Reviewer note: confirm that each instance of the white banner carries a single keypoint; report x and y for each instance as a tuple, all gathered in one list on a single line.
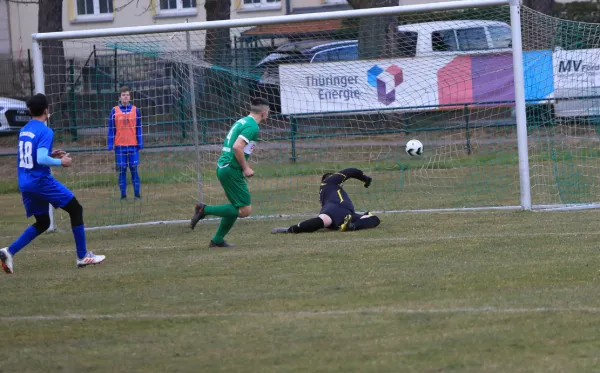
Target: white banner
[(360, 85), (577, 74), (429, 83)]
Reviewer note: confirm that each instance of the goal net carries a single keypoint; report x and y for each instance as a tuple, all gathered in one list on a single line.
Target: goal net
[(344, 93)]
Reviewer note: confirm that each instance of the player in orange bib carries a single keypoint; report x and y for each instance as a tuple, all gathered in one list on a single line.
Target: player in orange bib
[(125, 137)]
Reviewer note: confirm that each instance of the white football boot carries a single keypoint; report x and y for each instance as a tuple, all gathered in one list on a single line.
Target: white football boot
[(90, 258), (7, 260)]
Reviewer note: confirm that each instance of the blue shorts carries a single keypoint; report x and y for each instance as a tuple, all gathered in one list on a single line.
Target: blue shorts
[(127, 156), (48, 190), (337, 213)]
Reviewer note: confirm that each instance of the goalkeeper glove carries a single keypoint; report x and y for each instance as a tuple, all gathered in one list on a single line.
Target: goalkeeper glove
[(367, 181)]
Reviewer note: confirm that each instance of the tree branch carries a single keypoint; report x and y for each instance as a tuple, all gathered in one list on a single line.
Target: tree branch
[(120, 8), (24, 1)]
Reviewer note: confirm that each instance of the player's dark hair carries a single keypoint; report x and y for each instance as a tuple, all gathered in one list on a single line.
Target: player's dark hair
[(37, 104), (325, 176), (124, 89), (258, 105)]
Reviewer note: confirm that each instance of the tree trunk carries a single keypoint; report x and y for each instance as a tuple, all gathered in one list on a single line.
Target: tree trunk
[(218, 41), (216, 101), (377, 35), (55, 69)]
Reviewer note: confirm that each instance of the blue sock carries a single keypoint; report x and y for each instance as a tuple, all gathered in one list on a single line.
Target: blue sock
[(123, 180), (79, 234), (135, 180), (24, 240)]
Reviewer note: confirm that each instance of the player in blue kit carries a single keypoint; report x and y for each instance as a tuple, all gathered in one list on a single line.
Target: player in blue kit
[(39, 188), (337, 210)]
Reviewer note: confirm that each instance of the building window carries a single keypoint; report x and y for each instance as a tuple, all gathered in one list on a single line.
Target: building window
[(177, 7), (273, 4), (94, 7), (94, 10)]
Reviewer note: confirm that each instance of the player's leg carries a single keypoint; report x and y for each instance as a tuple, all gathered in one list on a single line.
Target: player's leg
[(42, 223), (85, 257), (307, 226), (37, 208), (75, 211), (134, 161), (61, 197), (366, 221), (230, 182), (225, 226), (121, 162), (237, 193)]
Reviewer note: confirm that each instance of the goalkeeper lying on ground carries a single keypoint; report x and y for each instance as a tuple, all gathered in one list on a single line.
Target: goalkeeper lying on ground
[(337, 210)]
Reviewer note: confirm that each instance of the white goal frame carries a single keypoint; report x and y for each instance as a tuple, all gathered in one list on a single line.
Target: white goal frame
[(517, 53)]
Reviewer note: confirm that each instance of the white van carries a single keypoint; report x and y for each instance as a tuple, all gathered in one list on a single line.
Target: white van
[(454, 38)]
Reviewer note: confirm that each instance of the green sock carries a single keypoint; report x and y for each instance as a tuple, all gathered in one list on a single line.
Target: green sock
[(224, 228), (224, 211)]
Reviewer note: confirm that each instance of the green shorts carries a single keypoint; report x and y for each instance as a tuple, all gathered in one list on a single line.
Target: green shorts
[(234, 185)]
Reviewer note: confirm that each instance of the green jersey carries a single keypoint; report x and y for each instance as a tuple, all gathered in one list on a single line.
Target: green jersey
[(247, 129)]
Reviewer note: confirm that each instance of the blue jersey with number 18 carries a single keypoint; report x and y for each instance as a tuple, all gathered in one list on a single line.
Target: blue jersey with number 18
[(35, 135)]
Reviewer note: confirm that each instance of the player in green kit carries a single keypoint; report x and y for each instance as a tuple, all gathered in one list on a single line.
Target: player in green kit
[(232, 171)]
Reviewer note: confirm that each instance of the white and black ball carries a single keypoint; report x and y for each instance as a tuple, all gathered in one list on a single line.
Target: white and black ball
[(414, 147)]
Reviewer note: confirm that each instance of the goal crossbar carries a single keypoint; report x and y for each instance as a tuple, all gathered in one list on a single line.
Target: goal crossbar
[(260, 21)]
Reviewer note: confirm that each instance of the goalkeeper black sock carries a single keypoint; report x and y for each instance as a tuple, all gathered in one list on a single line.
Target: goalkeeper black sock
[(366, 223), (307, 226)]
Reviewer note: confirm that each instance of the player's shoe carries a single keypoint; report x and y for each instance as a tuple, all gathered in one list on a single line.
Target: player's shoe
[(213, 244), (279, 230), (90, 258), (7, 260), (123, 198), (347, 225), (138, 197), (198, 214)]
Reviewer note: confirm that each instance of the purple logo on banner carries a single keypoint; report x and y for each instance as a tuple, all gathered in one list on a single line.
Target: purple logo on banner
[(386, 81)]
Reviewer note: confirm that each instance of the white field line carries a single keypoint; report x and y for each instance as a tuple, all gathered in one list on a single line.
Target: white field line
[(158, 316), (536, 208)]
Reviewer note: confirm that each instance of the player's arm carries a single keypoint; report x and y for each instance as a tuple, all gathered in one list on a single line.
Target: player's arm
[(111, 129), (248, 134), (349, 173), (238, 151), (138, 128), (43, 155), (45, 159)]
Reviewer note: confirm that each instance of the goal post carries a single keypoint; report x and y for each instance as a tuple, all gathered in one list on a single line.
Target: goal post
[(345, 92), (519, 83)]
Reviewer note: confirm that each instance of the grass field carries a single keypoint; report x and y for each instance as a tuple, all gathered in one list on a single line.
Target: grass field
[(436, 292)]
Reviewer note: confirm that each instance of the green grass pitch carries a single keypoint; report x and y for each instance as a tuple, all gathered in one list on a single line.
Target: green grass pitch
[(426, 292)]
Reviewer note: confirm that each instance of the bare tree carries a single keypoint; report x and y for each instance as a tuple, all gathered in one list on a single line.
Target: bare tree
[(217, 84), (377, 35), (218, 41), (55, 69)]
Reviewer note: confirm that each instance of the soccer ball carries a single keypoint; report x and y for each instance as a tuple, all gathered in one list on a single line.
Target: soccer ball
[(414, 147)]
